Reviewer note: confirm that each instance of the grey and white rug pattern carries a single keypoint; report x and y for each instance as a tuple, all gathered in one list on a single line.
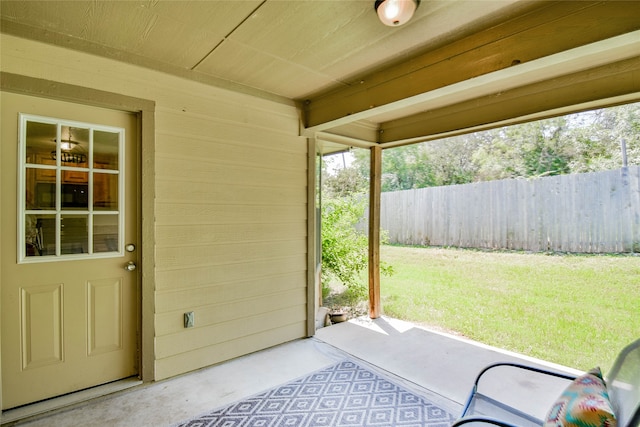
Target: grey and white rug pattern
[(343, 395)]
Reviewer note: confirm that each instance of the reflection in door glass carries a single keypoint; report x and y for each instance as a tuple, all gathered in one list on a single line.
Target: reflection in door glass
[(105, 191), (105, 150), (74, 147), (40, 235), (75, 196), (74, 234), (41, 144), (39, 195), (105, 233)]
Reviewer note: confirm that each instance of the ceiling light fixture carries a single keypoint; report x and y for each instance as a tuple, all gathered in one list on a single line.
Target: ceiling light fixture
[(395, 12), (68, 152)]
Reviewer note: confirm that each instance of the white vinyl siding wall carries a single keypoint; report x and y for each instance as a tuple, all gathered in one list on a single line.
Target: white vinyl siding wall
[(230, 207)]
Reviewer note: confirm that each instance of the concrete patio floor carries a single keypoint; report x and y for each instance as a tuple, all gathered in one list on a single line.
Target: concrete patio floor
[(439, 366)]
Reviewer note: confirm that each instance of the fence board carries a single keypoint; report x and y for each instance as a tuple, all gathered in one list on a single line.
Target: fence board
[(596, 212)]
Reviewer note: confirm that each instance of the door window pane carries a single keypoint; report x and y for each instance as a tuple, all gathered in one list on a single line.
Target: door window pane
[(105, 191), (105, 150), (71, 189), (39, 195), (41, 143), (105, 233), (74, 234), (75, 196), (40, 235)]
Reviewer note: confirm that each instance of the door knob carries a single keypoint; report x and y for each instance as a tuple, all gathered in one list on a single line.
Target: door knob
[(130, 266)]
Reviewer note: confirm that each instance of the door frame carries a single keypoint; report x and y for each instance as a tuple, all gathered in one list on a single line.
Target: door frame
[(145, 112)]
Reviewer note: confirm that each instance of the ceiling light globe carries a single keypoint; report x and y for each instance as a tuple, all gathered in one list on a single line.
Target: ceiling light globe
[(395, 12)]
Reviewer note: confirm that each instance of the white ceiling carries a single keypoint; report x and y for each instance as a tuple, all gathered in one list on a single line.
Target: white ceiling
[(310, 50), (291, 48)]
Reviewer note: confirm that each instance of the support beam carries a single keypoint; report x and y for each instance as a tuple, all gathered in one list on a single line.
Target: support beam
[(604, 82), (374, 232), (594, 105), (314, 287), (552, 28)]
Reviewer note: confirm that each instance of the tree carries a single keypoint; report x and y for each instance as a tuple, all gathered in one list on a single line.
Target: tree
[(545, 151), (582, 142), (451, 159), (597, 137), (343, 182)]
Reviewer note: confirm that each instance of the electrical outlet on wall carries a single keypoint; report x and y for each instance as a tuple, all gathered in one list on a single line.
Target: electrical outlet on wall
[(189, 319)]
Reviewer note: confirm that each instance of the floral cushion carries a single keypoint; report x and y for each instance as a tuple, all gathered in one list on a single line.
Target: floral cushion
[(584, 403)]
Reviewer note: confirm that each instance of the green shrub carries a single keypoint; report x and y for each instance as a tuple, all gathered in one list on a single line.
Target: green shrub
[(345, 245)]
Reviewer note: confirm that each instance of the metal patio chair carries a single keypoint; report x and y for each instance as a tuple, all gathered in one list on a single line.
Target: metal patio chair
[(515, 395)]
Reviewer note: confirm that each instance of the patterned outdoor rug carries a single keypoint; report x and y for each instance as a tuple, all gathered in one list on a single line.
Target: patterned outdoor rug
[(345, 394)]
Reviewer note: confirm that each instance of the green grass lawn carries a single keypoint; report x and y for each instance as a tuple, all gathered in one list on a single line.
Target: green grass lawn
[(576, 310)]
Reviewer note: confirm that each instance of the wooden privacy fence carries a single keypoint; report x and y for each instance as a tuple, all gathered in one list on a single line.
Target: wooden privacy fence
[(595, 212)]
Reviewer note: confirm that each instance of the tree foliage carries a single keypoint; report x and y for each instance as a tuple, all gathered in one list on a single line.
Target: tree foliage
[(344, 253), (584, 142), (345, 247), (344, 182)]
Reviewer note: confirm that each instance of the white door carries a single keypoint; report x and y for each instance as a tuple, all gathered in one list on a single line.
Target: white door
[(69, 248)]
